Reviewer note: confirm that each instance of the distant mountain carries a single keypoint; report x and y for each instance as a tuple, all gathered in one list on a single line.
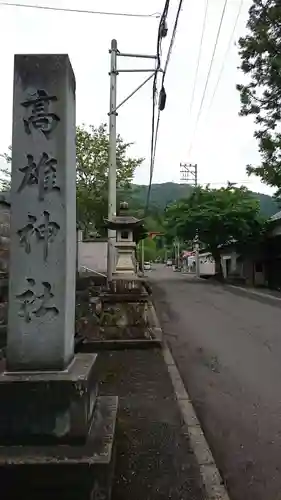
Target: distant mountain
[(268, 205), (168, 192)]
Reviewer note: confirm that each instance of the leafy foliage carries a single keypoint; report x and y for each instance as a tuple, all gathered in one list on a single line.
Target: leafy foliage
[(220, 215), (92, 146), (150, 250), (5, 181), (92, 161), (170, 192), (260, 51)]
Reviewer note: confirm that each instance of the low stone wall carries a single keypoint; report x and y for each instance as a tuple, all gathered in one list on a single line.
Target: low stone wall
[(127, 313), (123, 313)]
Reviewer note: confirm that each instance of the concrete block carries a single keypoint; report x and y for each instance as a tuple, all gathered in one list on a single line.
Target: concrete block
[(46, 407), (81, 472)]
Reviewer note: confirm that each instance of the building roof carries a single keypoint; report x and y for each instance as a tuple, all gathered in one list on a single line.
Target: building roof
[(123, 221), (276, 216)]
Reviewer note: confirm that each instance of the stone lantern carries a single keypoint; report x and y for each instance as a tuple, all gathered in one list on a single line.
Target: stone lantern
[(126, 227)]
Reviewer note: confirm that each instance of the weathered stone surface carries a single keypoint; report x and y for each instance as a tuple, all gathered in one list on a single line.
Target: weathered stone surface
[(43, 215), (46, 407), (64, 472), (124, 314)]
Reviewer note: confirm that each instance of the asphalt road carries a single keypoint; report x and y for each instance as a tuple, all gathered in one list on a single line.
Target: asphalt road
[(228, 349)]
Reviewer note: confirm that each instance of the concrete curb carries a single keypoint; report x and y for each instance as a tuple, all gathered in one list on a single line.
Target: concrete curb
[(212, 480), (254, 292), (213, 483)]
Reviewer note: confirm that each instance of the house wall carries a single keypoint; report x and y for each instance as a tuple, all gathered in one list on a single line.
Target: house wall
[(93, 255), (229, 262), (275, 231), (206, 264), (251, 270)]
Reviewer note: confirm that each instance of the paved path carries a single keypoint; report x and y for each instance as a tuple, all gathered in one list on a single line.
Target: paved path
[(154, 459), (228, 349)]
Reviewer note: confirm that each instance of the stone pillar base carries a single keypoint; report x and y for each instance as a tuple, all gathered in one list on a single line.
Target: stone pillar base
[(64, 472), (48, 407)]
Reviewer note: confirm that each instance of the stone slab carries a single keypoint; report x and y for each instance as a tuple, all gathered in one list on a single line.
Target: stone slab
[(64, 472), (46, 407), (133, 296), (43, 215), (115, 345)]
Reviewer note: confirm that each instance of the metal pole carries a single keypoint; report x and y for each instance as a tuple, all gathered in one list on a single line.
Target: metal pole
[(112, 161), (134, 91), (150, 70), (142, 255), (141, 56), (197, 260)]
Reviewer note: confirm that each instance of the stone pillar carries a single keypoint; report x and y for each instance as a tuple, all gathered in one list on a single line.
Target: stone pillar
[(48, 396), (43, 215)]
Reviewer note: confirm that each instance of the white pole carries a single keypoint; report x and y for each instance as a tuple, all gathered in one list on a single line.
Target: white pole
[(197, 260), (112, 161)]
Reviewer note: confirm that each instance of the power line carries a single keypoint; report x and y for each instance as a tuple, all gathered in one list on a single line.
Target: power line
[(208, 75), (61, 9), (226, 52), (172, 41), (164, 75), (160, 34), (199, 53), (155, 134)]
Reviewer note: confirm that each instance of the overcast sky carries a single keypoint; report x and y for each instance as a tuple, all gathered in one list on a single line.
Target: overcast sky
[(223, 142)]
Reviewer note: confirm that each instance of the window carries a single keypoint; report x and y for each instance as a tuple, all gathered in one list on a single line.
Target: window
[(258, 267), (124, 235)]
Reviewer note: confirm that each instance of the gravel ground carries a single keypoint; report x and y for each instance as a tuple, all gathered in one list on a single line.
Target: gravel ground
[(154, 460)]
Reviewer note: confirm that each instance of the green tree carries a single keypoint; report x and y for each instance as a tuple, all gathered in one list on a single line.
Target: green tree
[(92, 160), (5, 180), (150, 250), (220, 215), (92, 145), (260, 52)]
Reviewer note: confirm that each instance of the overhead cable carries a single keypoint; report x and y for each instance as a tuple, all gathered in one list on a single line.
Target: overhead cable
[(162, 31), (199, 53), (208, 75), (61, 9), (226, 52), (161, 104)]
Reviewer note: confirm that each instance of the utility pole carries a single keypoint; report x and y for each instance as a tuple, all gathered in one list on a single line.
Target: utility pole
[(142, 255), (189, 174), (177, 252), (113, 107), (112, 159)]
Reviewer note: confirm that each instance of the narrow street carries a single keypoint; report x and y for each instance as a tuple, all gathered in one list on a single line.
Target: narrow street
[(227, 346)]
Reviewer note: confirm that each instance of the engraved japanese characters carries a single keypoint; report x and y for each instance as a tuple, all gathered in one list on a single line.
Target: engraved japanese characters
[(41, 314)]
